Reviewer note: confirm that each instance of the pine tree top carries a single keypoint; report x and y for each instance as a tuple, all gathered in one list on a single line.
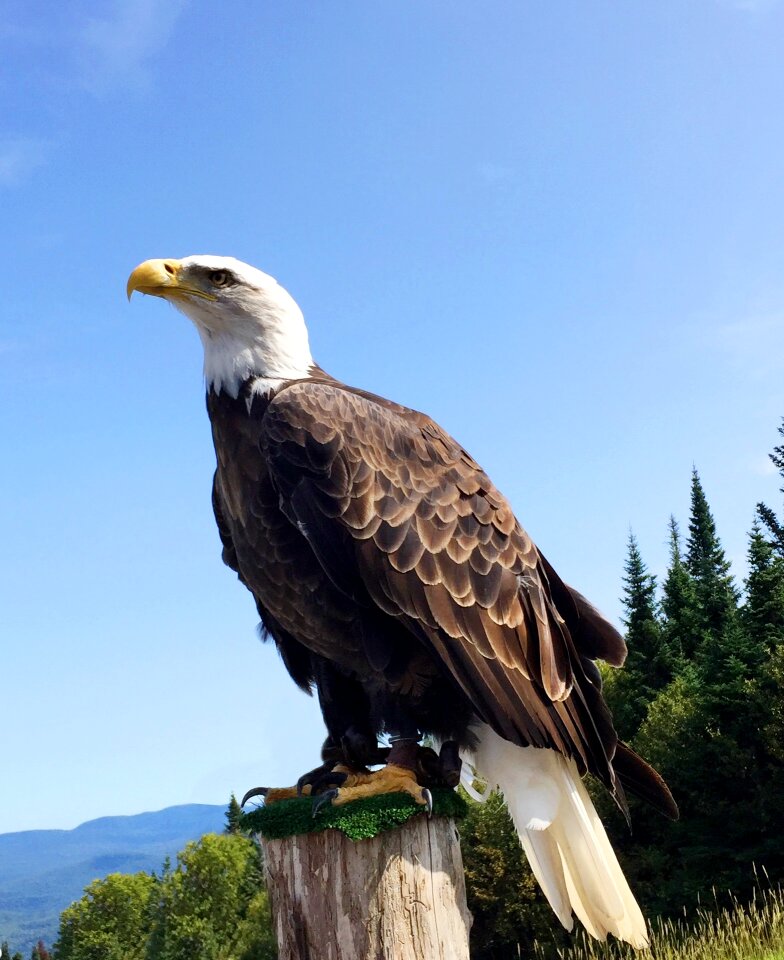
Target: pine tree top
[(777, 457), (233, 816), (716, 593), (678, 590), (763, 611), (705, 557), (639, 594), (773, 525)]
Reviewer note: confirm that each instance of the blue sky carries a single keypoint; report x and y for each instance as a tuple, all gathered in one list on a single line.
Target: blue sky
[(558, 228)]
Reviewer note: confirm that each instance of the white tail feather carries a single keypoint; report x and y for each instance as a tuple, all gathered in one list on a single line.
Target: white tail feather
[(562, 836)]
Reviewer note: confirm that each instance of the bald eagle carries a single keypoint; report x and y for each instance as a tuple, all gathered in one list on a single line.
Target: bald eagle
[(395, 580)]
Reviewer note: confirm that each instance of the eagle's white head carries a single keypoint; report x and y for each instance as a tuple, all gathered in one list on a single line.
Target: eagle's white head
[(249, 325)]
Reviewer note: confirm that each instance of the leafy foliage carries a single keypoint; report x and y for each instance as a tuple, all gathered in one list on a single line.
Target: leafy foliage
[(211, 905), (208, 906), (43, 871), (111, 922)]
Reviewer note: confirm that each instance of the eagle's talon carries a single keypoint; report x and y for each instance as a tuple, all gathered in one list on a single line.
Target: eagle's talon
[(323, 800), (310, 778), (332, 779), (320, 777), (254, 792), (427, 796), (330, 773)]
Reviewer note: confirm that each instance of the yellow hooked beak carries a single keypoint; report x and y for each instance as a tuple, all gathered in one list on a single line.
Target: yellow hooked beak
[(164, 278)]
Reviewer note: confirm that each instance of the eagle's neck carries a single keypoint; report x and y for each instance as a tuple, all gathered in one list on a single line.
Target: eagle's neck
[(267, 355)]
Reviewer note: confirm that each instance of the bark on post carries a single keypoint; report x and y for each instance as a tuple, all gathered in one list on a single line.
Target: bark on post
[(397, 896)]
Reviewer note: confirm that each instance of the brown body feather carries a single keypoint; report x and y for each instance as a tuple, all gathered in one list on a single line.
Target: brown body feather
[(375, 545)]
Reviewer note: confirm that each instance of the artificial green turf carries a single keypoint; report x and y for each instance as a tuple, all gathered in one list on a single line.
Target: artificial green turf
[(359, 820)]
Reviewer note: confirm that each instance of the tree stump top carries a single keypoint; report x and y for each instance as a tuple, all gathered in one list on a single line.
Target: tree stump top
[(359, 820)]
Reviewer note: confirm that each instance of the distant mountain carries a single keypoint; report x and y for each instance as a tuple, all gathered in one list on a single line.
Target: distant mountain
[(42, 871)]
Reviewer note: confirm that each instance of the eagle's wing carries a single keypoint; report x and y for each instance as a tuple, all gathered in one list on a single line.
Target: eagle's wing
[(296, 658), (401, 516)]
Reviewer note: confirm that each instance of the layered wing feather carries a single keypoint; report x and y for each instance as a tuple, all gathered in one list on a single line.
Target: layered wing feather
[(401, 517)]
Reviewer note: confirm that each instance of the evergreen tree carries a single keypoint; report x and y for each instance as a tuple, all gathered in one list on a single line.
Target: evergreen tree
[(719, 648), (639, 594), (723, 655), (763, 620), (679, 602), (711, 730), (233, 816), (763, 611), (774, 526), (716, 595), (648, 665), (716, 730)]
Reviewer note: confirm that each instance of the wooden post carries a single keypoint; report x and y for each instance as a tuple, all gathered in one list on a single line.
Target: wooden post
[(397, 896)]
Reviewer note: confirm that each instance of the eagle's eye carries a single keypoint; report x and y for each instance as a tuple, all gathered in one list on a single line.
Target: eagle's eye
[(219, 278)]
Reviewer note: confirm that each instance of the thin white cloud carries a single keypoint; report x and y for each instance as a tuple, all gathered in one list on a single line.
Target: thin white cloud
[(100, 48), (19, 156), (116, 47)]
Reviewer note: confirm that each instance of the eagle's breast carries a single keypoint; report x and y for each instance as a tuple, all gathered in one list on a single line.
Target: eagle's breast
[(273, 557)]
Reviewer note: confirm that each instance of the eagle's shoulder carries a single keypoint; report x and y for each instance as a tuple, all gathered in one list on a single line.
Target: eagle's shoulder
[(330, 399), (328, 413)]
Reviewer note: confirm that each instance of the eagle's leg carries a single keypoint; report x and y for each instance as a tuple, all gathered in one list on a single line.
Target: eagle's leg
[(439, 769), (345, 762), (399, 775), (351, 746), (351, 756)]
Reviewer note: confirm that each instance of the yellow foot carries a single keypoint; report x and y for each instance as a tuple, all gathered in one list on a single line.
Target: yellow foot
[(389, 779), (314, 782), (272, 794)]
